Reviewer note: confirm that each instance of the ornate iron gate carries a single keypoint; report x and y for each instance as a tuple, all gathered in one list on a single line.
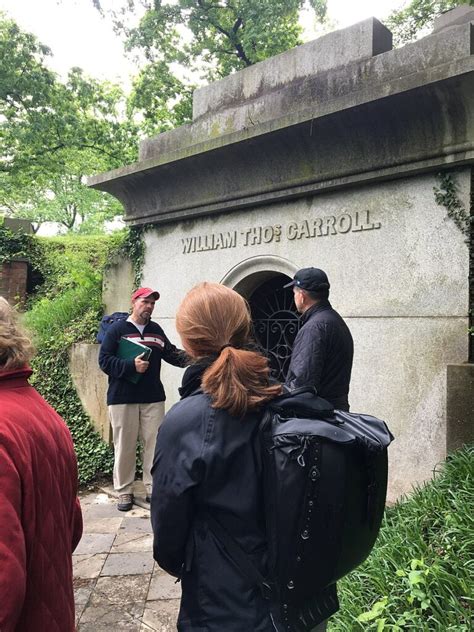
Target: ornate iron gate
[(275, 322)]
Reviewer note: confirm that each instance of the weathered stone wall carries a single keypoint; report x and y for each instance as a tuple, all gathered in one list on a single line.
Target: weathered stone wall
[(13, 281), (91, 386), (118, 286), (460, 406)]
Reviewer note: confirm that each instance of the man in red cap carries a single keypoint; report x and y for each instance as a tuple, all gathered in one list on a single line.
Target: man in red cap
[(136, 406)]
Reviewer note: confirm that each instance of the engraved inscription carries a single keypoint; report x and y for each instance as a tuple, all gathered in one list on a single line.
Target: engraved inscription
[(331, 225), (342, 224), (214, 241)]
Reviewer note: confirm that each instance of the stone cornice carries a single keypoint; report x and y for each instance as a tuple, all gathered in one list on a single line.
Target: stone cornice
[(400, 112)]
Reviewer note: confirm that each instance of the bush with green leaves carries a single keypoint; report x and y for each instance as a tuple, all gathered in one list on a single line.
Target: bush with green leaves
[(15, 245), (419, 576), (53, 380), (67, 309)]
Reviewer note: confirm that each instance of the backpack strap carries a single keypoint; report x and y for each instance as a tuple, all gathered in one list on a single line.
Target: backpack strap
[(239, 556)]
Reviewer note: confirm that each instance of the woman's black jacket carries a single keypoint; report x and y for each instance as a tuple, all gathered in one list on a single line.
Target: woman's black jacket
[(208, 461)]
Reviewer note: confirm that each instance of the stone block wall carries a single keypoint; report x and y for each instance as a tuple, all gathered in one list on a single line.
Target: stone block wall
[(91, 386), (459, 406), (13, 280)]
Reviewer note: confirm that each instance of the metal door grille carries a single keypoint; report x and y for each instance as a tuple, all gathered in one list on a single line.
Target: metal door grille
[(275, 323)]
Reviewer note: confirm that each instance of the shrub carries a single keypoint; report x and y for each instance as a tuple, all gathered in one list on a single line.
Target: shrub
[(419, 575), (67, 309), (52, 379)]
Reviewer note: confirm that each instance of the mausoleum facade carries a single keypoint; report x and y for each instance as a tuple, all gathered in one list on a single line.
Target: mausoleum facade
[(328, 155)]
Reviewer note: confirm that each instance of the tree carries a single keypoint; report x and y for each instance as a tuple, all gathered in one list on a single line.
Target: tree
[(54, 134), (224, 35), (159, 99), (417, 17), (59, 195)]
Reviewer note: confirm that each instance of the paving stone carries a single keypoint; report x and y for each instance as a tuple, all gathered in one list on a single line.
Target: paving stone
[(86, 499), (160, 616), (128, 542), (121, 590), (102, 617), (131, 525), (128, 563), (82, 590), (139, 512), (96, 498), (163, 586), (96, 511), (104, 525), (88, 566), (95, 543), (80, 607), (125, 626)]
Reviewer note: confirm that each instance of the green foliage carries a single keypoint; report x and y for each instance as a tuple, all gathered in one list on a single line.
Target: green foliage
[(221, 36), (52, 379), (418, 16), (133, 247), (50, 316), (54, 134), (76, 261), (419, 575), (447, 195), (162, 100), (15, 245), (67, 310)]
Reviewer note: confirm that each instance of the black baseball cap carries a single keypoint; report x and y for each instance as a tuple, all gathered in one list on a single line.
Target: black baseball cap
[(311, 279)]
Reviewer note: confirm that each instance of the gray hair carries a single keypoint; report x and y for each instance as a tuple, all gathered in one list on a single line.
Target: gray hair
[(16, 348)]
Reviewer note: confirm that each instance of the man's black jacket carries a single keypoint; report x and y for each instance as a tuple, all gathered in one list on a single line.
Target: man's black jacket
[(322, 355)]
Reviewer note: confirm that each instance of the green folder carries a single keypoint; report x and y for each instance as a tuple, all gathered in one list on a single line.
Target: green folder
[(128, 349)]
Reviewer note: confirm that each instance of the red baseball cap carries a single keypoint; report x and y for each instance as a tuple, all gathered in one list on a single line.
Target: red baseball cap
[(145, 292)]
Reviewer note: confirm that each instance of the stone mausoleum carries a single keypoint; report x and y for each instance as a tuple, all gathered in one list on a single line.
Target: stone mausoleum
[(328, 155)]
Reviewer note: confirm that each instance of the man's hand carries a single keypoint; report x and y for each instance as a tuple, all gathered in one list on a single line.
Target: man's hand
[(141, 365)]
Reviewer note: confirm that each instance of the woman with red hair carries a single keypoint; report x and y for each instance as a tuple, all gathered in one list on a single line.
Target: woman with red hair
[(207, 463)]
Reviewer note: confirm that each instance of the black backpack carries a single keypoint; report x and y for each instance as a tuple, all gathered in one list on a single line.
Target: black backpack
[(325, 483), (108, 320)]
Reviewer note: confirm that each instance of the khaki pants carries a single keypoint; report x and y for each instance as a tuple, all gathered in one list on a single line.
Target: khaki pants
[(131, 422)]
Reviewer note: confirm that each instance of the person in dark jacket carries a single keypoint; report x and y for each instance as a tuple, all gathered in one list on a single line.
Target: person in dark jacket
[(323, 350), (136, 408), (41, 520), (207, 463)]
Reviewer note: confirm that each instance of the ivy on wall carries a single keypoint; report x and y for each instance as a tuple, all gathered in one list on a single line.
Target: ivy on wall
[(133, 247), (16, 245), (446, 194), (51, 377), (67, 309)]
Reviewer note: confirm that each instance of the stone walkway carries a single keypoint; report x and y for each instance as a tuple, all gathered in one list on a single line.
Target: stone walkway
[(116, 582)]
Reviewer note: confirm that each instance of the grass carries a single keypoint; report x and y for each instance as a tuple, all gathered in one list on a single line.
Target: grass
[(50, 316), (420, 573)]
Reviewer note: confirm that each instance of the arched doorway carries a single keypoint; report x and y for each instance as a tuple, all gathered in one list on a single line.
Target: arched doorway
[(260, 280), (275, 322)]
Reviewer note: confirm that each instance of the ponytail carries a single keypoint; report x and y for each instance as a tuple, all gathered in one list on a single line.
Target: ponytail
[(238, 381), (214, 322)]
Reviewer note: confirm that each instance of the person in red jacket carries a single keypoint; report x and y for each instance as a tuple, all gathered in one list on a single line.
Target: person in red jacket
[(40, 515)]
